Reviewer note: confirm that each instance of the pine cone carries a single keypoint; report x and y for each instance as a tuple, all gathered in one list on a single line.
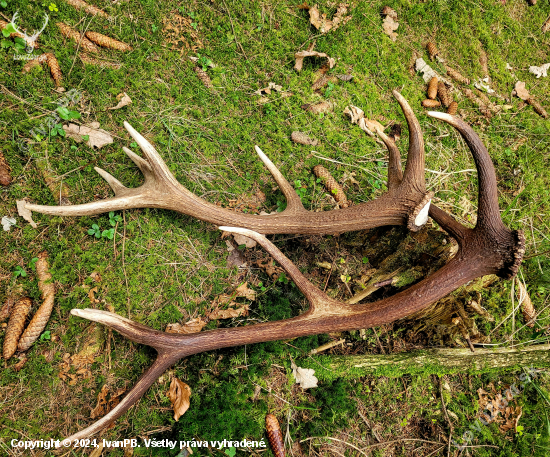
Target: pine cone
[(203, 76), (5, 177), (537, 107), (432, 88), (428, 103), (108, 42), (432, 50), (55, 69), (68, 32), (453, 107), (302, 138), (87, 59), (456, 75), (15, 326), (81, 5), (274, 435), (332, 185), (40, 319), (443, 94)]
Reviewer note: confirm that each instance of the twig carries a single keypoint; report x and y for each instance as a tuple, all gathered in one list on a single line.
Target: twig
[(124, 263), (82, 37), (326, 346), (233, 29), (451, 428), (335, 439)]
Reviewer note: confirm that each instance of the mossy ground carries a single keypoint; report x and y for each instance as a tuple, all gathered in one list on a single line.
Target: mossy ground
[(170, 267)]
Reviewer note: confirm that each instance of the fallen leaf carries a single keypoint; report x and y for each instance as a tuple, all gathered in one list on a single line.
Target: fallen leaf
[(244, 291), (318, 108), (540, 71), (302, 138), (390, 26), (97, 138), (345, 77), (91, 296), (123, 100), (300, 55), (7, 222), (272, 270), (521, 91), (230, 312), (179, 394), (304, 376), (97, 451), (267, 90), (324, 25), (191, 326), (387, 11), (105, 405), (241, 239), (25, 213), (95, 276)]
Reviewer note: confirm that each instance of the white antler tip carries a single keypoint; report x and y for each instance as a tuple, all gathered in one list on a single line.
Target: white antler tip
[(440, 115)]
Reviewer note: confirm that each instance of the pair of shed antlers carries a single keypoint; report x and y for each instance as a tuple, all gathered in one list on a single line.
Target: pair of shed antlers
[(489, 248)]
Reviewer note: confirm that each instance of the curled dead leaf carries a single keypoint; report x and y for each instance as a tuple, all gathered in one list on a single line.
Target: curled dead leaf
[(97, 138), (191, 326), (241, 239), (302, 138), (324, 25), (521, 91), (304, 376), (25, 213), (318, 108), (123, 100), (179, 395), (390, 26), (301, 55)]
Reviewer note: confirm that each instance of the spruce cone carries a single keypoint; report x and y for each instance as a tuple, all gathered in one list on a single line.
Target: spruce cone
[(537, 107), (5, 177), (107, 42), (432, 50), (203, 76), (40, 319), (274, 435), (15, 326), (87, 59), (453, 107), (55, 69), (69, 32), (5, 311), (483, 108), (332, 185), (81, 5), (483, 61), (456, 75), (430, 103), (432, 88), (302, 138), (443, 94)]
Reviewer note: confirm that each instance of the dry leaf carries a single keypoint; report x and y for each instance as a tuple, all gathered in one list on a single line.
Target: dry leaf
[(390, 26), (272, 270), (25, 213), (179, 394), (318, 108), (540, 71), (123, 100), (97, 137), (267, 90), (95, 276), (5, 177), (241, 239), (7, 222), (387, 11), (97, 451), (324, 25), (302, 138), (521, 91), (105, 405), (304, 376), (300, 55), (91, 296), (180, 33), (191, 326), (230, 312)]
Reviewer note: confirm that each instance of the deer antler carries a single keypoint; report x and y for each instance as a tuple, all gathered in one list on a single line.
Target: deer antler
[(489, 248), (404, 203)]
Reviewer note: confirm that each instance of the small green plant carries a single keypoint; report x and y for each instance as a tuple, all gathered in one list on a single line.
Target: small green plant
[(330, 88), (46, 336), (56, 130), (204, 62), (3, 3), (67, 114), (19, 271), (53, 7), (283, 278), (33, 263), (231, 451), (114, 219), (301, 190), (154, 28), (365, 260), (95, 231), (261, 286)]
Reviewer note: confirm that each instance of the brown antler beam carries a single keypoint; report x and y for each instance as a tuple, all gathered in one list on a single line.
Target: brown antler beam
[(489, 248), (405, 203)]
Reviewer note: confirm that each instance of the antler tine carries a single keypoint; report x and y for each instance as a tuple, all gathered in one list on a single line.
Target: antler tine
[(414, 168), (395, 173), (118, 188), (294, 203), (158, 167), (142, 164), (488, 212), (317, 298)]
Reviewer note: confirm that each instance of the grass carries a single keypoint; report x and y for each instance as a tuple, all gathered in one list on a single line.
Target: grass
[(170, 267)]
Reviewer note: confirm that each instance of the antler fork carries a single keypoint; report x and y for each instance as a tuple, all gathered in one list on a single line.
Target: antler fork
[(406, 202), (489, 248)]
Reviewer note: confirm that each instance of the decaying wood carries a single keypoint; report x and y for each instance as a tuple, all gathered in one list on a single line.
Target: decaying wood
[(16, 325), (440, 360), (41, 317), (489, 248)]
